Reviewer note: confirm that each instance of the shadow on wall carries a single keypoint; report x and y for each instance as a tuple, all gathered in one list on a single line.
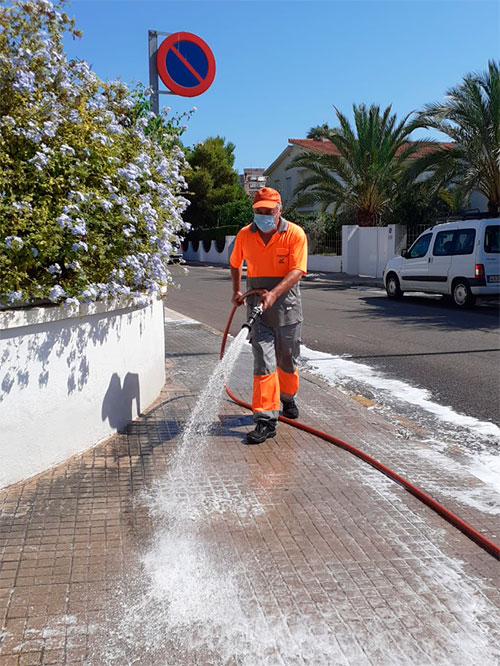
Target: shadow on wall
[(118, 400), (28, 351)]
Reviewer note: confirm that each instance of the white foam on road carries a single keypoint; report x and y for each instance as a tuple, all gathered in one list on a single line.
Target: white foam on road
[(340, 371), (336, 369), (487, 468)]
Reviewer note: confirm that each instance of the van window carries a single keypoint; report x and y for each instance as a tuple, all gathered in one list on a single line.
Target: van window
[(443, 244), (420, 247), (464, 241), (492, 239)]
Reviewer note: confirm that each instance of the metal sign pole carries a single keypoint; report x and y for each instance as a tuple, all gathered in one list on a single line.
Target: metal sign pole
[(158, 68), (153, 71)]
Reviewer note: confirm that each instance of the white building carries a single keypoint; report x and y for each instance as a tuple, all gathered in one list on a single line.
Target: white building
[(286, 180)]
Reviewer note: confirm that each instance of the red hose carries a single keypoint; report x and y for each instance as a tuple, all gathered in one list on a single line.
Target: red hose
[(460, 524)]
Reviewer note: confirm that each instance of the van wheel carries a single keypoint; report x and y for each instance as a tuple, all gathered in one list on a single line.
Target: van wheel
[(461, 294), (392, 286)]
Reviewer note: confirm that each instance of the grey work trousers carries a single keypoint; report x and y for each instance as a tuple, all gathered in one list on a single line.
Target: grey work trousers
[(276, 348)]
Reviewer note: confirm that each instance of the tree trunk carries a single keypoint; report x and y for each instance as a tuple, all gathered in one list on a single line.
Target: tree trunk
[(493, 207), (365, 218)]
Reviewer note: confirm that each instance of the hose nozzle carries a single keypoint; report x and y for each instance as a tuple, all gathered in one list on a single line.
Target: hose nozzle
[(256, 312)]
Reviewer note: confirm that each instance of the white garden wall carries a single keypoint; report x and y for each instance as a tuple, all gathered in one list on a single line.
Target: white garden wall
[(324, 263), (366, 250), (213, 256), (70, 378)]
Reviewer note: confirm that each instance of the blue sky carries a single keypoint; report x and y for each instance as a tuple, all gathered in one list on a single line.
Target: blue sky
[(281, 65)]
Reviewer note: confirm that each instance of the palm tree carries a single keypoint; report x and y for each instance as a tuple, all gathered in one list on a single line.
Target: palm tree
[(470, 116), (361, 173), (319, 132)]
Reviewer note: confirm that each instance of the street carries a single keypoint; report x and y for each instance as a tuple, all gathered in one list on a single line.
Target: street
[(420, 340)]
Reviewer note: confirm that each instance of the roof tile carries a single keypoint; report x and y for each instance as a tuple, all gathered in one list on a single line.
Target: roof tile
[(328, 148)]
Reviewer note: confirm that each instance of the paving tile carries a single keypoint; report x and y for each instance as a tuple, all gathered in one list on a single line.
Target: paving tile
[(291, 552)]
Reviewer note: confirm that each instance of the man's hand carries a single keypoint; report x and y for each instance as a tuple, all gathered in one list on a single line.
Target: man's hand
[(267, 300), (237, 299)]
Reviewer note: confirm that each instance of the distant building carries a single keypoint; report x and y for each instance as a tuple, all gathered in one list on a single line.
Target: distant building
[(252, 180)]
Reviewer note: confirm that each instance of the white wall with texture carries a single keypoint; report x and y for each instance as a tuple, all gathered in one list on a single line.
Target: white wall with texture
[(70, 378)]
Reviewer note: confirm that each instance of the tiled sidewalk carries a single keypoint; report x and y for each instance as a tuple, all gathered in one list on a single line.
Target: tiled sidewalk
[(144, 551)]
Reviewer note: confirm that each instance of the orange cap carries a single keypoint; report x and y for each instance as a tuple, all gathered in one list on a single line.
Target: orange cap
[(266, 197)]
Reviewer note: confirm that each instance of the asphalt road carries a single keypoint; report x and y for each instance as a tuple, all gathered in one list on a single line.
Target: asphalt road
[(419, 339)]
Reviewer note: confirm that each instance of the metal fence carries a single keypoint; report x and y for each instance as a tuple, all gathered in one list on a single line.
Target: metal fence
[(325, 243), (413, 232)]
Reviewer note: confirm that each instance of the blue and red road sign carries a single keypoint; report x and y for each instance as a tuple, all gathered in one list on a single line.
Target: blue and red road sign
[(186, 64)]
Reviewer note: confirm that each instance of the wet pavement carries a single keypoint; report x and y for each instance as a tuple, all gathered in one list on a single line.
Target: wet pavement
[(143, 551)]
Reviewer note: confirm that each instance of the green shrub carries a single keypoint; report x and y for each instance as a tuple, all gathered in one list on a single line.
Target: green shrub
[(236, 213), (90, 186)]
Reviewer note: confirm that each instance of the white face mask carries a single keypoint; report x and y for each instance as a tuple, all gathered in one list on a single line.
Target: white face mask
[(264, 222)]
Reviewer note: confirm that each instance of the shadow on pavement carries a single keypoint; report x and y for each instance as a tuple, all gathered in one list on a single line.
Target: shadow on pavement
[(425, 313)]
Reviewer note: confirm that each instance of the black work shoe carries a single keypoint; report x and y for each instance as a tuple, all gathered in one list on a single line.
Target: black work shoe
[(263, 430), (290, 409)]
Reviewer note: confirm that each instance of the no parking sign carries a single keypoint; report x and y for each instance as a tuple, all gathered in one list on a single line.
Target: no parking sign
[(185, 64)]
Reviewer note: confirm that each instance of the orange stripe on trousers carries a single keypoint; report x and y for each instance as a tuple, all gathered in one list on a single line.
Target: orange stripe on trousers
[(266, 393), (288, 381)]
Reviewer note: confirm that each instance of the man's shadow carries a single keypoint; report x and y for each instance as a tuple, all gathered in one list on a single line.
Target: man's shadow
[(227, 424), (118, 401)]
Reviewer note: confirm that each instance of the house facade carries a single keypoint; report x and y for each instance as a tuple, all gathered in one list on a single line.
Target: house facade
[(286, 180)]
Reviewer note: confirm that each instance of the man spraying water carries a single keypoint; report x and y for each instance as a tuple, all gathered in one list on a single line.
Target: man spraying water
[(275, 251)]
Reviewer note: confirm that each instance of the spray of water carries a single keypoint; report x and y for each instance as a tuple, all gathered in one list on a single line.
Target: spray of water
[(208, 404), (185, 492), (189, 579), (203, 600)]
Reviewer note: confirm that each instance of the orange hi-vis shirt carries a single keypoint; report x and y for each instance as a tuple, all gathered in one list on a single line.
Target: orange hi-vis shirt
[(286, 251), (268, 264)]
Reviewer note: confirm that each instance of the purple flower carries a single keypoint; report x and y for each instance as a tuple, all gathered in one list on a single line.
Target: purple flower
[(90, 294), (80, 246), (63, 221), (49, 128), (14, 243), (107, 205), (40, 160), (129, 173), (67, 150), (79, 229), (25, 81), (56, 293), (13, 296), (102, 138)]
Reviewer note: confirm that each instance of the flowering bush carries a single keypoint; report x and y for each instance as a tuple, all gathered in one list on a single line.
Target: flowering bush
[(90, 179)]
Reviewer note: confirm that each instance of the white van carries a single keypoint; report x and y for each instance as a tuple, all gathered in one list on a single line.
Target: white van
[(460, 259)]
